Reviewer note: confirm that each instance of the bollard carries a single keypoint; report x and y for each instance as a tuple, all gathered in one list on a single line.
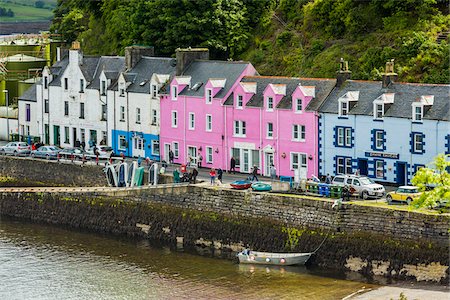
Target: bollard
[(57, 156), (72, 157)]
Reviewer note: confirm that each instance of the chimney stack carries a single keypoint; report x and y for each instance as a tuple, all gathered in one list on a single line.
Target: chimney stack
[(134, 53), (343, 74), (389, 76), (75, 45), (186, 56)]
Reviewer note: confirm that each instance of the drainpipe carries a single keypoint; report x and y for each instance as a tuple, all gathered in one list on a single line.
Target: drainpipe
[(128, 127), (316, 125)]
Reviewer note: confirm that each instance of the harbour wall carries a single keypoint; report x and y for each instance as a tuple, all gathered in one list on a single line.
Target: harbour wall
[(371, 240)]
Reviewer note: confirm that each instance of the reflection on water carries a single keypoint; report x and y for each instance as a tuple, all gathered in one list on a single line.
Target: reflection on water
[(44, 262)]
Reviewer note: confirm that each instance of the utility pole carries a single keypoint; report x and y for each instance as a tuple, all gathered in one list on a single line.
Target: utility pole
[(7, 114)]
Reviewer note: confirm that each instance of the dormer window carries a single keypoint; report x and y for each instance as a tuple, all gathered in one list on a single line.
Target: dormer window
[(81, 85), (417, 113), (154, 90), (298, 105), (174, 92), (122, 89), (343, 108), (269, 104), (66, 84), (208, 96), (239, 101), (46, 82), (378, 109)]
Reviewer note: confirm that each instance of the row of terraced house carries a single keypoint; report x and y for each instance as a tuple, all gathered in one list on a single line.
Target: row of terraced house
[(148, 106)]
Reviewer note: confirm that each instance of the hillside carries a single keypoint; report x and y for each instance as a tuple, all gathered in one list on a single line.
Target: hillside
[(27, 10), (280, 37)]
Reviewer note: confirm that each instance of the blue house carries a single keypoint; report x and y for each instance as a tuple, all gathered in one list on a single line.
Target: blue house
[(133, 103), (385, 130)]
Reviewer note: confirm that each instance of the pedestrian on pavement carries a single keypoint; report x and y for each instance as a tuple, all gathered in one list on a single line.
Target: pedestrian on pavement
[(171, 156), (83, 145), (122, 155), (219, 175), (328, 179), (233, 165), (254, 173), (200, 159), (194, 175), (176, 176), (139, 160), (345, 193), (212, 174), (273, 172), (33, 146)]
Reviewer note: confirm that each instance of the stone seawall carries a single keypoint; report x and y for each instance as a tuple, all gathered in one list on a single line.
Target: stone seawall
[(370, 240), (27, 172)]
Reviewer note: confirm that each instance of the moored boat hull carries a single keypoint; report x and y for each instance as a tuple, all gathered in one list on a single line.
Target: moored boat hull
[(276, 259), (241, 184)]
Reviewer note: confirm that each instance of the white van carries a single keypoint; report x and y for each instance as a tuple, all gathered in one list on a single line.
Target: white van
[(364, 186)]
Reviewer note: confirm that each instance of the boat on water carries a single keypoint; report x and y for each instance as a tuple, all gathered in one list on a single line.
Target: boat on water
[(276, 259), (111, 175), (122, 173), (241, 184), (261, 187)]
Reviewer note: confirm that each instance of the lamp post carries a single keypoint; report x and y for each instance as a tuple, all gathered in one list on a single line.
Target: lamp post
[(7, 114)]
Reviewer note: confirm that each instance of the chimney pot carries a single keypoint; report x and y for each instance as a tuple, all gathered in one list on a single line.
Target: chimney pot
[(186, 56), (343, 74), (134, 53)]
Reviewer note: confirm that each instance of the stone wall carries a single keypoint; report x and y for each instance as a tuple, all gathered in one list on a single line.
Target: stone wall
[(370, 240), (28, 172)]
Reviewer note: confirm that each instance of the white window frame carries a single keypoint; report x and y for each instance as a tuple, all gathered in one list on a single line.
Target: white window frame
[(340, 136), (343, 112), (239, 101), (269, 130), (417, 142), (269, 103), (298, 133), (417, 116), (239, 128), (379, 139), (209, 124), (301, 160), (174, 118), (209, 96), (348, 136), (122, 89), (209, 155), (103, 87), (81, 85), (378, 111), (298, 102), (122, 114), (379, 169), (154, 142), (176, 149), (154, 91), (344, 163), (122, 137), (174, 91), (154, 117), (191, 121), (138, 115)]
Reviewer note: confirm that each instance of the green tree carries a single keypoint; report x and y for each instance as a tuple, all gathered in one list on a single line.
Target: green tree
[(435, 174)]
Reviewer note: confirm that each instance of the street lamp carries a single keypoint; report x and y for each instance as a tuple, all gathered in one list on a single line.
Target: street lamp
[(7, 114)]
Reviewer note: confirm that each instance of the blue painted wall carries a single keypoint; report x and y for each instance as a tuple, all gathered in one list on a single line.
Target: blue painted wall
[(397, 136), (128, 151)]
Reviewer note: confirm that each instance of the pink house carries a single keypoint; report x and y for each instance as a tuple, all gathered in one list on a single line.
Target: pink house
[(273, 120), (192, 113)]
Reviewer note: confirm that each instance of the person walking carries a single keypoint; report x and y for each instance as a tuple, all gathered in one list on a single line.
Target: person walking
[(273, 172), (328, 179), (233, 165), (254, 173), (194, 175), (171, 156), (176, 176), (212, 174), (200, 159), (139, 160), (219, 175), (345, 193)]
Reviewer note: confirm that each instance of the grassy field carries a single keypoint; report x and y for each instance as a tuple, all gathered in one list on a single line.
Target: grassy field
[(24, 13)]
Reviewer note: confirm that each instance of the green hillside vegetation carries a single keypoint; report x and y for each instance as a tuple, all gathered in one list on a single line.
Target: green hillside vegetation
[(280, 37), (26, 10)]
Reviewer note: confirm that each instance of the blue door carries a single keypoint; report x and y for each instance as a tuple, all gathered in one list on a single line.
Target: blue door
[(401, 173), (363, 166)]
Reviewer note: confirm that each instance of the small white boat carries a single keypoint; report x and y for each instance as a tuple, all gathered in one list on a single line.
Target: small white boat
[(111, 175), (132, 169), (276, 259)]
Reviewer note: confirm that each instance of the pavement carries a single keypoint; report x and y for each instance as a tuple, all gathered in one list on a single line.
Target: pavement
[(392, 292)]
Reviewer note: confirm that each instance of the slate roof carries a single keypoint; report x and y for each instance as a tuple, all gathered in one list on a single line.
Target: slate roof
[(111, 65), (202, 70), (322, 88), (58, 69), (405, 95), (29, 94), (88, 67)]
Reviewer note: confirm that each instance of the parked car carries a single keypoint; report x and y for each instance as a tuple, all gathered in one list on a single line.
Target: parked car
[(363, 186), (73, 153), (48, 152), (15, 148), (103, 151), (405, 194)]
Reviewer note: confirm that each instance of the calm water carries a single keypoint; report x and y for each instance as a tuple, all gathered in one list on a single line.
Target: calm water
[(45, 262)]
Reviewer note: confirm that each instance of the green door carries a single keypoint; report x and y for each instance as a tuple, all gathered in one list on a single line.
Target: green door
[(56, 135)]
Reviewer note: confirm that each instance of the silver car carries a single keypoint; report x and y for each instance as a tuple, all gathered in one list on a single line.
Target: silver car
[(363, 186), (15, 148)]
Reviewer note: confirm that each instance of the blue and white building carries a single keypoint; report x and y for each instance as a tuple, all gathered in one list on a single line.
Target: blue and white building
[(133, 103), (385, 130)]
